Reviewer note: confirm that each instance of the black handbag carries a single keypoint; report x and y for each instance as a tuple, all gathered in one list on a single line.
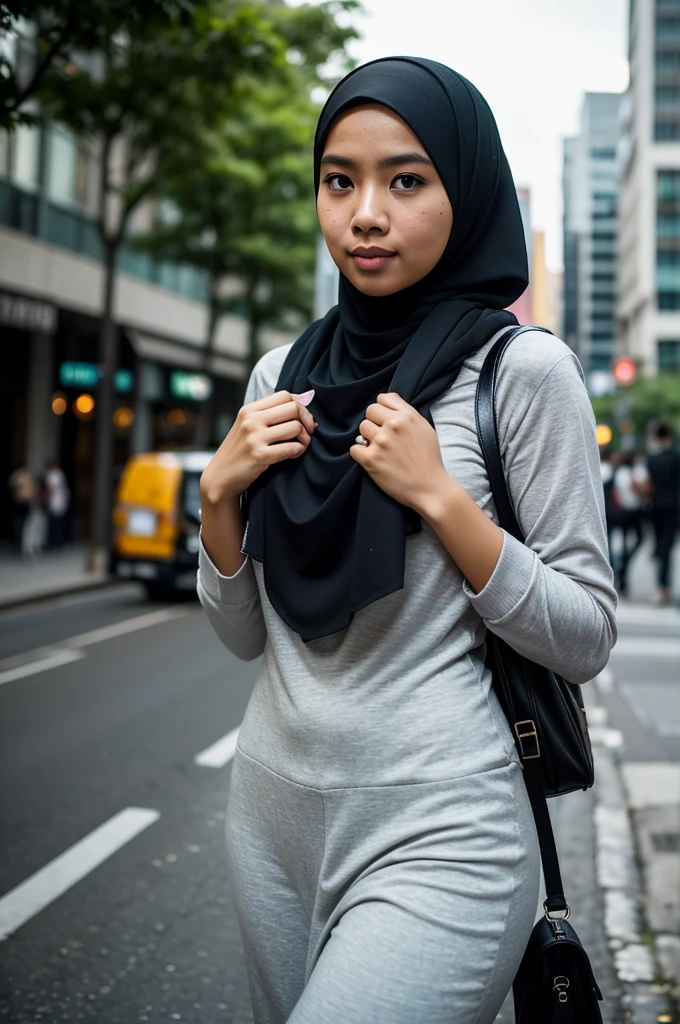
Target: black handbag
[(555, 982)]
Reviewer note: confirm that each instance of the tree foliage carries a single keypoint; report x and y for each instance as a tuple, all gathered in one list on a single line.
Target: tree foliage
[(60, 29), (647, 401), (244, 203)]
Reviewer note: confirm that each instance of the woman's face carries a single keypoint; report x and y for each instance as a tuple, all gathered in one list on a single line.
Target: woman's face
[(382, 207)]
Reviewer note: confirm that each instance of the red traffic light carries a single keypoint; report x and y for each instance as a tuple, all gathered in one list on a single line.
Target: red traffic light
[(624, 371)]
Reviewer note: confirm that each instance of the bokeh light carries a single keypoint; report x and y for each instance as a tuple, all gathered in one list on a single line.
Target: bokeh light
[(603, 433), (124, 417), (83, 406), (59, 403)]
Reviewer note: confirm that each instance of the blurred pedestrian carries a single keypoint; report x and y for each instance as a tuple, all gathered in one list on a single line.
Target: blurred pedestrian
[(664, 471), (631, 493), (23, 493), (609, 460), (57, 500), (381, 846)]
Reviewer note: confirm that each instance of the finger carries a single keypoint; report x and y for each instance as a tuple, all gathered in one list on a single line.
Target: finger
[(278, 398), (369, 430), (280, 413), (359, 453), (306, 418), (286, 450), (289, 431), (290, 411), (377, 413), (391, 400)]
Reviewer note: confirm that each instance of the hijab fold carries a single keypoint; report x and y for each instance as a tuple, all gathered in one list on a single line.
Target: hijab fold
[(331, 542)]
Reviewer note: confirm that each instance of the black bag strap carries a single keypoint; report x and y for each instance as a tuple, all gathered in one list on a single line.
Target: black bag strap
[(487, 432)]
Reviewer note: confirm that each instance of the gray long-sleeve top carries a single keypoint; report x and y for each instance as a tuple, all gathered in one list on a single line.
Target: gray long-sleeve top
[(402, 694)]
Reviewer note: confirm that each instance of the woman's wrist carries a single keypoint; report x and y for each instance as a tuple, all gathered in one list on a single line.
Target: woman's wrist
[(439, 502)]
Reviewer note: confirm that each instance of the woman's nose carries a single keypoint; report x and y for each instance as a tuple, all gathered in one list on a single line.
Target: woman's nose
[(370, 213)]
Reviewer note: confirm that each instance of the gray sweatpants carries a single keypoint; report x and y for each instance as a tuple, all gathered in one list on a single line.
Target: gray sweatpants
[(381, 905)]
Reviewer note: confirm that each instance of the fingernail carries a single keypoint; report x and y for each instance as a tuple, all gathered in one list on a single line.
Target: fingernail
[(305, 398)]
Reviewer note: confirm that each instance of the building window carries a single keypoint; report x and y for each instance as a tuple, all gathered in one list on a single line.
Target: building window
[(63, 165), (668, 300), (603, 152), (668, 353), (666, 131), (668, 185), (25, 159), (667, 62), (603, 276), (668, 28)]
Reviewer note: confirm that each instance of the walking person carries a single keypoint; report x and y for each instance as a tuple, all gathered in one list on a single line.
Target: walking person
[(57, 500), (664, 471), (381, 847), (23, 495), (632, 490)]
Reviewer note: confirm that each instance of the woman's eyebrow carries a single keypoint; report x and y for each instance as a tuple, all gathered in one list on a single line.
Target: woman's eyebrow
[(404, 158), (398, 160)]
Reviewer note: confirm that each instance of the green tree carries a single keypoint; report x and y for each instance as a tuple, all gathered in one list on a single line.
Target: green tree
[(648, 400), (144, 94), (52, 32), (245, 205)]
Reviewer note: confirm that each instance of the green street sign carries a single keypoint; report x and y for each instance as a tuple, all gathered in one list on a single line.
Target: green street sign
[(79, 375), (86, 375), (195, 386)]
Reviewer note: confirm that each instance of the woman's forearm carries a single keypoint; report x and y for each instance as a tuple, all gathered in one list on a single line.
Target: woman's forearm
[(470, 537), (222, 533)]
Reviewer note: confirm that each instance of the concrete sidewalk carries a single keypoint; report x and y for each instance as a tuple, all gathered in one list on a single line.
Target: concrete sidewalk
[(48, 575)]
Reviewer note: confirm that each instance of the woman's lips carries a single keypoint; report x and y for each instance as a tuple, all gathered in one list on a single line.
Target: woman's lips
[(372, 262)]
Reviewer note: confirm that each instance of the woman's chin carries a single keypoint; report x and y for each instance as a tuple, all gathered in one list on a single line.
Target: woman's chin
[(376, 285)]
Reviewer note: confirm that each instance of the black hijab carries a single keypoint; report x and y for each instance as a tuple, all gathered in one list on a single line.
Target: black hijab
[(331, 542)]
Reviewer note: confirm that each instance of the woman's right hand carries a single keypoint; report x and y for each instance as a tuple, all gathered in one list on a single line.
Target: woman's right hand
[(264, 432)]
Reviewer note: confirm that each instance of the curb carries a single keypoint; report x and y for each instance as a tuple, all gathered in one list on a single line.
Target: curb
[(619, 877), (63, 590)]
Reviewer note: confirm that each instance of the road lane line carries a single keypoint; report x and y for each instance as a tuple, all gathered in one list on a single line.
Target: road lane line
[(21, 904), (60, 653), (220, 753), (95, 636), (41, 665), (647, 647)]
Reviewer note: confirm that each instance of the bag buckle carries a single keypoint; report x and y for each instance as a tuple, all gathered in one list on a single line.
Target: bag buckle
[(532, 750), (557, 915)]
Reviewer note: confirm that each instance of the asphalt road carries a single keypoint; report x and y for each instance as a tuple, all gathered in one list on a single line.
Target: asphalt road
[(148, 933), (116, 902)]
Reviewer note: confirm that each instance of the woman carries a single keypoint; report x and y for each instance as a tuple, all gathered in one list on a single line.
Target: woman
[(381, 847)]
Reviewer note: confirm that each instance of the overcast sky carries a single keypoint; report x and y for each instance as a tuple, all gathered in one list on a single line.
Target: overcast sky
[(532, 59)]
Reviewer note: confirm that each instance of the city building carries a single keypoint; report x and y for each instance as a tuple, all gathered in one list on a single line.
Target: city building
[(51, 301), (649, 277), (590, 192)]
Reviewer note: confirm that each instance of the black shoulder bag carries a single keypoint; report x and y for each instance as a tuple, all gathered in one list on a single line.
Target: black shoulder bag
[(555, 982)]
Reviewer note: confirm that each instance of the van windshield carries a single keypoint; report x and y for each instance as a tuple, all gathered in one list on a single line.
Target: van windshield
[(192, 493)]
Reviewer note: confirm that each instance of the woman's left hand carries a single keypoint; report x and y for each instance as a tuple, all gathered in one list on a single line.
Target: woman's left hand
[(402, 455)]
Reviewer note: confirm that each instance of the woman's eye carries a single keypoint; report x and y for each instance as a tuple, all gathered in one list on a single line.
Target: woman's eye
[(338, 182), (406, 182)]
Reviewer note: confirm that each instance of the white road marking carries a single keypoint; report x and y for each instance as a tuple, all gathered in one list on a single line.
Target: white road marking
[(605, 680), (652, 783), (52, 881), (220, 753), (95, 636), (647, 615), (647, 647), (41, 665), (40, 659), (602, 736)]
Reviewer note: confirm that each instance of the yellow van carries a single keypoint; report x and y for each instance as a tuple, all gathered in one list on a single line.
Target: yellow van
[(156, 519)]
